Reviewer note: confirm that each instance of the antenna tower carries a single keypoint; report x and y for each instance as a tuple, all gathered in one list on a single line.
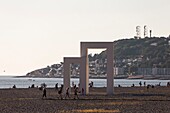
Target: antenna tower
[(138, 32), (145, 31), (150, 33)]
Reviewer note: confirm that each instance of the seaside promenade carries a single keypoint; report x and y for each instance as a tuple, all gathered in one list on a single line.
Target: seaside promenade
[(124, 100)]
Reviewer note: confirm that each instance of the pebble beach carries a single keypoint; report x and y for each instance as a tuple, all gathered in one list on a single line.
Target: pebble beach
[(124, 100)]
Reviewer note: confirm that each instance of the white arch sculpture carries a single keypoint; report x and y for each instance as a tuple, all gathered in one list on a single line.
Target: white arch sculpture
[(67, 62), (84, 65), (84, 78)]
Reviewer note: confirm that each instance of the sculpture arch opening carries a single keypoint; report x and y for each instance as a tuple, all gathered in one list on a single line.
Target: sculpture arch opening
[(84, 65), (67, 62), (84, 77)]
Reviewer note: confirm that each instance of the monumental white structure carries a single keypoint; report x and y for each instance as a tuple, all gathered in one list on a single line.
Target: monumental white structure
[(84, 65), (67, 62)]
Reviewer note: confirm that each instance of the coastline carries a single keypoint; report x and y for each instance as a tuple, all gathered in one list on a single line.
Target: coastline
[(119, 77)]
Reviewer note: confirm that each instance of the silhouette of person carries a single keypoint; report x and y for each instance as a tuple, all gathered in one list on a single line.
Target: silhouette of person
[(44, 93), (92, 83), (75, 93), (56, 86), (133, 85), (82, 91), (119, 85), (61, 91), (148, 86), (67, 93), (159, 84), (144, 83), (14, 86), (74, 86), (140, 83)]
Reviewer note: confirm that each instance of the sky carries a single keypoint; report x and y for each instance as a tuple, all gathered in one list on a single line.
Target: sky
[(38, 33)]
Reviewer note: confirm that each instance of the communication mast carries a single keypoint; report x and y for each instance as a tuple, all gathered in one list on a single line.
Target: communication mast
[(138, 32), (150, 33), (145, 31)]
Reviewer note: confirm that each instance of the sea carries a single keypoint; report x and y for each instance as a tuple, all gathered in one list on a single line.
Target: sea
[(25, 82)]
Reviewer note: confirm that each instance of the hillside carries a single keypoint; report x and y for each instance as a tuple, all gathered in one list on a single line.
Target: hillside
[(152, 52), (128, 53)]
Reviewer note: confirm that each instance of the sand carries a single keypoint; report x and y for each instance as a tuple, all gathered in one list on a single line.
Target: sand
[(125, 100)]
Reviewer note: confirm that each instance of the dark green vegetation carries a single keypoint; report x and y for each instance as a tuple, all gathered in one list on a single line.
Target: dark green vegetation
[(144, 53), (152, 51)]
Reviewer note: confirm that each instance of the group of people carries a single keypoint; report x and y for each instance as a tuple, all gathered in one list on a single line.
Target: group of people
[(91, 84), (149, 85), (60, 91)]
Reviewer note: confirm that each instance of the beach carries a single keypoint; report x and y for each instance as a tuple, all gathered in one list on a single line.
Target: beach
[(124, 100)]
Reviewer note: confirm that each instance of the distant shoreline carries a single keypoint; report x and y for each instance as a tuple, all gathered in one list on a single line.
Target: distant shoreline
[(145, 78), (70, 77)]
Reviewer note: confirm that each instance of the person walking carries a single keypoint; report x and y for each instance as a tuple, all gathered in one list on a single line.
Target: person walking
[(82, 91), (56, 86), (140, 83), (60, 92), (67, 93), (144, 84), (44, 93), (76, 93)]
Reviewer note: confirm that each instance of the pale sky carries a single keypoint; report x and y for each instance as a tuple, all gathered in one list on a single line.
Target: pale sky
[(37, 33)]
